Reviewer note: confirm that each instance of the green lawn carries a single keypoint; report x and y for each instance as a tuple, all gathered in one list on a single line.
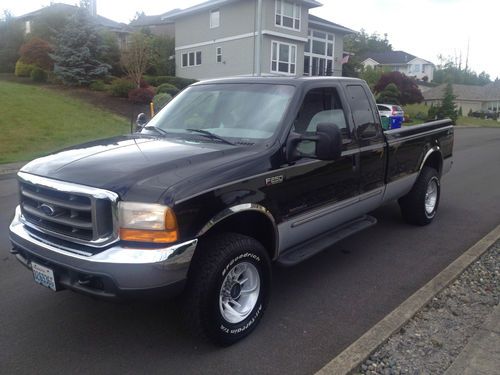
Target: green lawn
[(35, 121), (477, 122)]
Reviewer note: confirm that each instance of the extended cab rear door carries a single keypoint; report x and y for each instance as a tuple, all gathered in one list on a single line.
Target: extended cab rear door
[(372, 158)]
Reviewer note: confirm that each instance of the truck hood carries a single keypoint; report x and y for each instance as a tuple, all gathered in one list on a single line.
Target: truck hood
[(137, 167)]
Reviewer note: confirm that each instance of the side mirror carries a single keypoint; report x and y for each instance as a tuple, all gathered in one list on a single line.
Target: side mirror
[(328, 141), (141, 121)]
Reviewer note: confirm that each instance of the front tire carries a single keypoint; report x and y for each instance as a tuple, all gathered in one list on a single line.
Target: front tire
[(228, 288), (420, 205)]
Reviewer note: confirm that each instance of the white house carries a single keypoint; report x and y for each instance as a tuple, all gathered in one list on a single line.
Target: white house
[(400, 61)]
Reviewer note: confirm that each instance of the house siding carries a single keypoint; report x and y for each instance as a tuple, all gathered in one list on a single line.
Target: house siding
[(237, 37), (237, 59), (237, 54), (196, 28)]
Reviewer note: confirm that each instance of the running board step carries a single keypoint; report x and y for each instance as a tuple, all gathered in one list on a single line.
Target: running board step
[(312, 247)]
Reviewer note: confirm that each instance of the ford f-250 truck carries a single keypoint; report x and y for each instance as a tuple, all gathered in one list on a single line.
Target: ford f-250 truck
[(231, 176)]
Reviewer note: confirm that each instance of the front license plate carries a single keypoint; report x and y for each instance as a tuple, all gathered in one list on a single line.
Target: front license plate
[(44, 276)]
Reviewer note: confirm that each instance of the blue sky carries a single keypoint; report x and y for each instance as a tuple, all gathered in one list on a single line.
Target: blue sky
[(425, 28)]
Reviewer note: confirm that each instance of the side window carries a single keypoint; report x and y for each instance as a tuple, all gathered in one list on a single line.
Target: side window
[(321, 105), (362, 112)]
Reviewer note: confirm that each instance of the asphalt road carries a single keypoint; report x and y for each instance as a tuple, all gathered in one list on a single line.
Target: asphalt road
[(317, 308)]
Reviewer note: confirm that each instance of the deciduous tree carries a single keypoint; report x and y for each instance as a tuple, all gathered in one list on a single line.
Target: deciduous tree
[(37, 51), (409, 91), (137, 57)]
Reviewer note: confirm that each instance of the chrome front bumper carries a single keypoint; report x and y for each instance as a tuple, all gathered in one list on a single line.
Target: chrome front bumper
[(128, 268)]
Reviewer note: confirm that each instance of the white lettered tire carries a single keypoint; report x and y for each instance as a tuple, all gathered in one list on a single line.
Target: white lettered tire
[(228, 288)]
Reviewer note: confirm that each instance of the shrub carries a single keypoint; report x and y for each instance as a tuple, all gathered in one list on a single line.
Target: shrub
[(121, 87), (38, 75), (160, 101), (167, 88), (23, 69), (178, 82), (98, 85), (53, 79), (141, 95), (421, 116)]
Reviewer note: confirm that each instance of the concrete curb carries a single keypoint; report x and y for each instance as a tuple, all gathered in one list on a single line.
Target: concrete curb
[(352, 357), (11, 168)]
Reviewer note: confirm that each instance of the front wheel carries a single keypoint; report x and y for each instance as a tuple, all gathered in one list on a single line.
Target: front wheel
[(420, 205), (228, 288)]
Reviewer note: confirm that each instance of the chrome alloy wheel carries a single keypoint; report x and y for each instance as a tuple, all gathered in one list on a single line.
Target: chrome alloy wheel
[(239, 292), (431, 196)]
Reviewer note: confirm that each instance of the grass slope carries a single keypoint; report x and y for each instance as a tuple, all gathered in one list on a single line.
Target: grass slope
[(35, 121)]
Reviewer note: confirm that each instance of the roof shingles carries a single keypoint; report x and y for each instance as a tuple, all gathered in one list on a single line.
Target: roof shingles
[(489, 92)]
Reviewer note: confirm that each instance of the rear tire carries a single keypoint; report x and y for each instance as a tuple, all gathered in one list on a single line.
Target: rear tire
[(228, 288), (420, 205)]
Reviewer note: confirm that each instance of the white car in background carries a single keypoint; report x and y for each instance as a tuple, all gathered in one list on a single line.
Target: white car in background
[(390, 110)]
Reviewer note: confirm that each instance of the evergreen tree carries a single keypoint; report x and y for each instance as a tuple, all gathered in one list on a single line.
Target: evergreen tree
[(389, 95), (78, 46), (11, 38), (448, 109)]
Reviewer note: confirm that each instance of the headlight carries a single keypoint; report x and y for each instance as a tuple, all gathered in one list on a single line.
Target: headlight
[(144, 222)]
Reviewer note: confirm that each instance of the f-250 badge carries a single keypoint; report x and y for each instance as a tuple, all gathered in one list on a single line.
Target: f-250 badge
[(274, 180)]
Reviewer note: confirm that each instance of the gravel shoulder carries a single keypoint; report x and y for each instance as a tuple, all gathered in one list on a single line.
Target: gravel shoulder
[(435, 336)]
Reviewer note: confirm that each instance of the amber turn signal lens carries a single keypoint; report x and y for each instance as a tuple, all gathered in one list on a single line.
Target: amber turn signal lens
[(154, 236)]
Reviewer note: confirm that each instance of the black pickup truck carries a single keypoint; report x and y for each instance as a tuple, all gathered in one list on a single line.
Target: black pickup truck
[(231, 176)]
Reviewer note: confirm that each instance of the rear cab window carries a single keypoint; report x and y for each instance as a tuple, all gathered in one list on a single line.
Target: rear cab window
[(367, 126)]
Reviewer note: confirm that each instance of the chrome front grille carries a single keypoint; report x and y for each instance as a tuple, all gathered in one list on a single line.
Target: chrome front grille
[(72, 212)]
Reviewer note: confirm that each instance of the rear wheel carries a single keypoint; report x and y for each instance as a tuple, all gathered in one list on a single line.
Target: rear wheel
[(228, 288), (420, 205)]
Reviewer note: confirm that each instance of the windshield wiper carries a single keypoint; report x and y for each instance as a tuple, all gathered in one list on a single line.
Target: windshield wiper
[(211, 135), (156, 129)]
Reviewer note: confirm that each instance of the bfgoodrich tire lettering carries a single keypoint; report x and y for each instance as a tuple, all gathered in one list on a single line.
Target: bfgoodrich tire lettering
[(420, 205), (228, 288)]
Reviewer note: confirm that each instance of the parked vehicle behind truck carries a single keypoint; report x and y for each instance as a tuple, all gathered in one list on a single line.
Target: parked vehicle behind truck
[(231, 176)]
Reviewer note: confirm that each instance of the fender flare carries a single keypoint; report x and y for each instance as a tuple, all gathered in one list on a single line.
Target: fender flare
[(431, 151), (242, 208)]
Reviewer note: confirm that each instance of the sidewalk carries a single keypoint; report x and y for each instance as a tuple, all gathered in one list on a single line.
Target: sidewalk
[(481, 355), (11, 168)]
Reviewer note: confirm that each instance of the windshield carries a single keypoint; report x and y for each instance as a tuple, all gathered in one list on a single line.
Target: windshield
[(249, 112)]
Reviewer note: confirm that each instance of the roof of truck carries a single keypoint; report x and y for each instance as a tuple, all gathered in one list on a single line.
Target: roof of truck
[(278, 80)]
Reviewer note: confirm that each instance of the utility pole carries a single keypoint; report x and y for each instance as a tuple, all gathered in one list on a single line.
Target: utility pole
[(467, 57)]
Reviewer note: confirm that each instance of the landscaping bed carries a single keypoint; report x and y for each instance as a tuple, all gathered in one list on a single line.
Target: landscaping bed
[(435, 336)]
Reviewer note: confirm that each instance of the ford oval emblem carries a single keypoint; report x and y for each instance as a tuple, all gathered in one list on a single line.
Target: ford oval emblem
[(48, 209)]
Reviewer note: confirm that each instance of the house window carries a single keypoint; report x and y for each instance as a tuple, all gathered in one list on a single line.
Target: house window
[(214, 19), (27, 28), (318, 53), (288, 14), (218, 54), (191, 59), (283, 58)]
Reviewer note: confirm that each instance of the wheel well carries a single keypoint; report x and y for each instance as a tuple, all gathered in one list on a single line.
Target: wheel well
[(250, 223), (435, 161)]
